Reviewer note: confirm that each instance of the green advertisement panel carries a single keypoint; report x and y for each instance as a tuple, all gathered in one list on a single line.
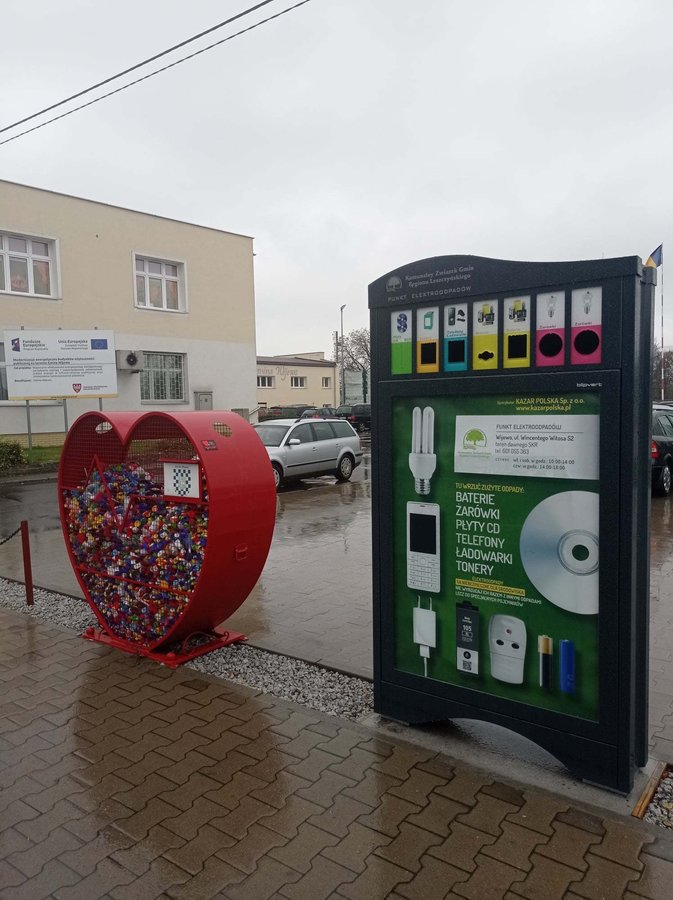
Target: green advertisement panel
[(495, 526)]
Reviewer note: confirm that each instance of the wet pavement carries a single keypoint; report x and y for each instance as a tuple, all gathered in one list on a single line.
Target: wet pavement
[(120, 778)]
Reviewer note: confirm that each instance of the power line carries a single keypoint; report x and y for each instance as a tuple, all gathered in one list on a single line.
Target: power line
[(145, 77), (137, 66)]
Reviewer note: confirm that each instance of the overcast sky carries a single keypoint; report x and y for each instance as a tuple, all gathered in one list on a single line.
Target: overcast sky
[(352, 136)]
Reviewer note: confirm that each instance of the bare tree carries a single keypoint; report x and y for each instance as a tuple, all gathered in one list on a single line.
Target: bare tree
[(656, 373), (356, 349)]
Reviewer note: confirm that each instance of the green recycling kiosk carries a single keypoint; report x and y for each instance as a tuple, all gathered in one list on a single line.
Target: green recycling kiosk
[(510, 454)]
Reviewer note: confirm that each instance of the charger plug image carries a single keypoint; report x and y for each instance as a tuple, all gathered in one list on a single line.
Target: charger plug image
[(425, 632)]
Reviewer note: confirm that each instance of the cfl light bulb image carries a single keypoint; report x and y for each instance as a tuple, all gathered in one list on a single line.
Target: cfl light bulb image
[(586, 299), (422, 459), (551, 306)]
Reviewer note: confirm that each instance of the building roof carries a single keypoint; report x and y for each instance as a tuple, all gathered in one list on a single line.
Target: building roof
[(295, 361)]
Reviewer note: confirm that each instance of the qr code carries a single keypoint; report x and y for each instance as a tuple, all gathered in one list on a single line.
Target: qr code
[(467, 666), (182, 481)]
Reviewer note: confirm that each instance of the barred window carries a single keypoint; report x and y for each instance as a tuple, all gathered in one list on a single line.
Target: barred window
[(162, 378)]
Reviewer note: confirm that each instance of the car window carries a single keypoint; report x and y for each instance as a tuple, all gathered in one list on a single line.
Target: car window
[(323, 431), (303, 433), (271, 435), (662, 425), (342, 429), (344, 411)]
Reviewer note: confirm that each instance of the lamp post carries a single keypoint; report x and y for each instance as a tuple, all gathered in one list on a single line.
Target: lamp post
[(342, 392)]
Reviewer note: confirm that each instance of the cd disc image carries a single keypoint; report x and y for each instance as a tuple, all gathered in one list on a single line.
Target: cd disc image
[(559, 550)]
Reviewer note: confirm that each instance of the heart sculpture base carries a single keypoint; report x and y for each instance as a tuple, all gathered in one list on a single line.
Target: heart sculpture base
[(172, 658)]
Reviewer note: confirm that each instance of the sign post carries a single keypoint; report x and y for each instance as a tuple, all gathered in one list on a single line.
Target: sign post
[(511, 505)]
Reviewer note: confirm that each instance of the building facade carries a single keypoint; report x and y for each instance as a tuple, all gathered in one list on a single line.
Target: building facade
[(179, 297), (306, 378)]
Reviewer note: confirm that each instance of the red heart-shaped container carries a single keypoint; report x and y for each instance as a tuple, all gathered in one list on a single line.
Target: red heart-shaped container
[(168, 519)]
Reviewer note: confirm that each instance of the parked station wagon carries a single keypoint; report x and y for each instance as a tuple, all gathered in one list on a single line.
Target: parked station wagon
[(310, 447)]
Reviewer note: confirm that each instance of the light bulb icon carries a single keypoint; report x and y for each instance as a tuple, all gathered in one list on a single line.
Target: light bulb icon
[(587, 302), (551, 306), (422, 459)]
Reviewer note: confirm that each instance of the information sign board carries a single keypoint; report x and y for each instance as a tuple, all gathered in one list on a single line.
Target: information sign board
[(43, 365)]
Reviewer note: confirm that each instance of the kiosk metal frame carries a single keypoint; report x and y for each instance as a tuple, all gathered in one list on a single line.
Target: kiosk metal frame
[(515, 346)]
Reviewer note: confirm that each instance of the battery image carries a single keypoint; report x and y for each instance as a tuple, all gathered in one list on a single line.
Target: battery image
[(567, 667), (545, 649)]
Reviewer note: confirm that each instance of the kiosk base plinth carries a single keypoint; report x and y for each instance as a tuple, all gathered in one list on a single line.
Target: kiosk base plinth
[(219, 637)]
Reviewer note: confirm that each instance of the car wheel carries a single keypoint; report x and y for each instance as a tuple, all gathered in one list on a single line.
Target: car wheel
[(665, 482), (345, 468), (277, 475)]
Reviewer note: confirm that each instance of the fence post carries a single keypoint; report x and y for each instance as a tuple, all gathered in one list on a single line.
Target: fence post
[(27, 567)]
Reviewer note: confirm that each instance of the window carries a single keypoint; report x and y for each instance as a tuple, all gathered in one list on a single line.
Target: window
[(323, 431), (342, 429), (265, 381), (298, 381), (162, 378), (160, 285), (327, 382), (303, 433), (26, 265)]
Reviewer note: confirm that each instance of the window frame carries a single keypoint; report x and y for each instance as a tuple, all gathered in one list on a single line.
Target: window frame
[(180, 279), (145, 377), (270, 378), (52, 258), (299, 387), (327, 382)]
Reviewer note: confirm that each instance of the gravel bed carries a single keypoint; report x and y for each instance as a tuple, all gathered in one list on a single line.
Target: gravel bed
[(270, 673), (660, 810)]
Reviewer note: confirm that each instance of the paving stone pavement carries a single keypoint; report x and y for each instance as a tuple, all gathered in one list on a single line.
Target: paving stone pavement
[(120, 778)]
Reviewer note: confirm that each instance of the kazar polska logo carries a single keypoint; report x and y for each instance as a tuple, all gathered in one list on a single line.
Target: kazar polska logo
[(474, 439), (77, 388)]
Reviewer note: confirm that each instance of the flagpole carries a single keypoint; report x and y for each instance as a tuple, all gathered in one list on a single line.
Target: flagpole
[(662, 330)]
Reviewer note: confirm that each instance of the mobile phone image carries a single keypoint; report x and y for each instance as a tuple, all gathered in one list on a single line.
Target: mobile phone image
[(423, 546)]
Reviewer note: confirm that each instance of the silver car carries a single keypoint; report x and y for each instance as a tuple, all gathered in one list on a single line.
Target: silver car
[(301, 449)]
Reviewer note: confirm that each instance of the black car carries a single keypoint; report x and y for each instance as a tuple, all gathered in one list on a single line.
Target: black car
[(320, 412), (662, 449), (358, 414), (293, 411)]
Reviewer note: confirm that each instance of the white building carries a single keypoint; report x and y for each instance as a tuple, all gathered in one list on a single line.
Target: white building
[(297, 378), (180, 296)]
